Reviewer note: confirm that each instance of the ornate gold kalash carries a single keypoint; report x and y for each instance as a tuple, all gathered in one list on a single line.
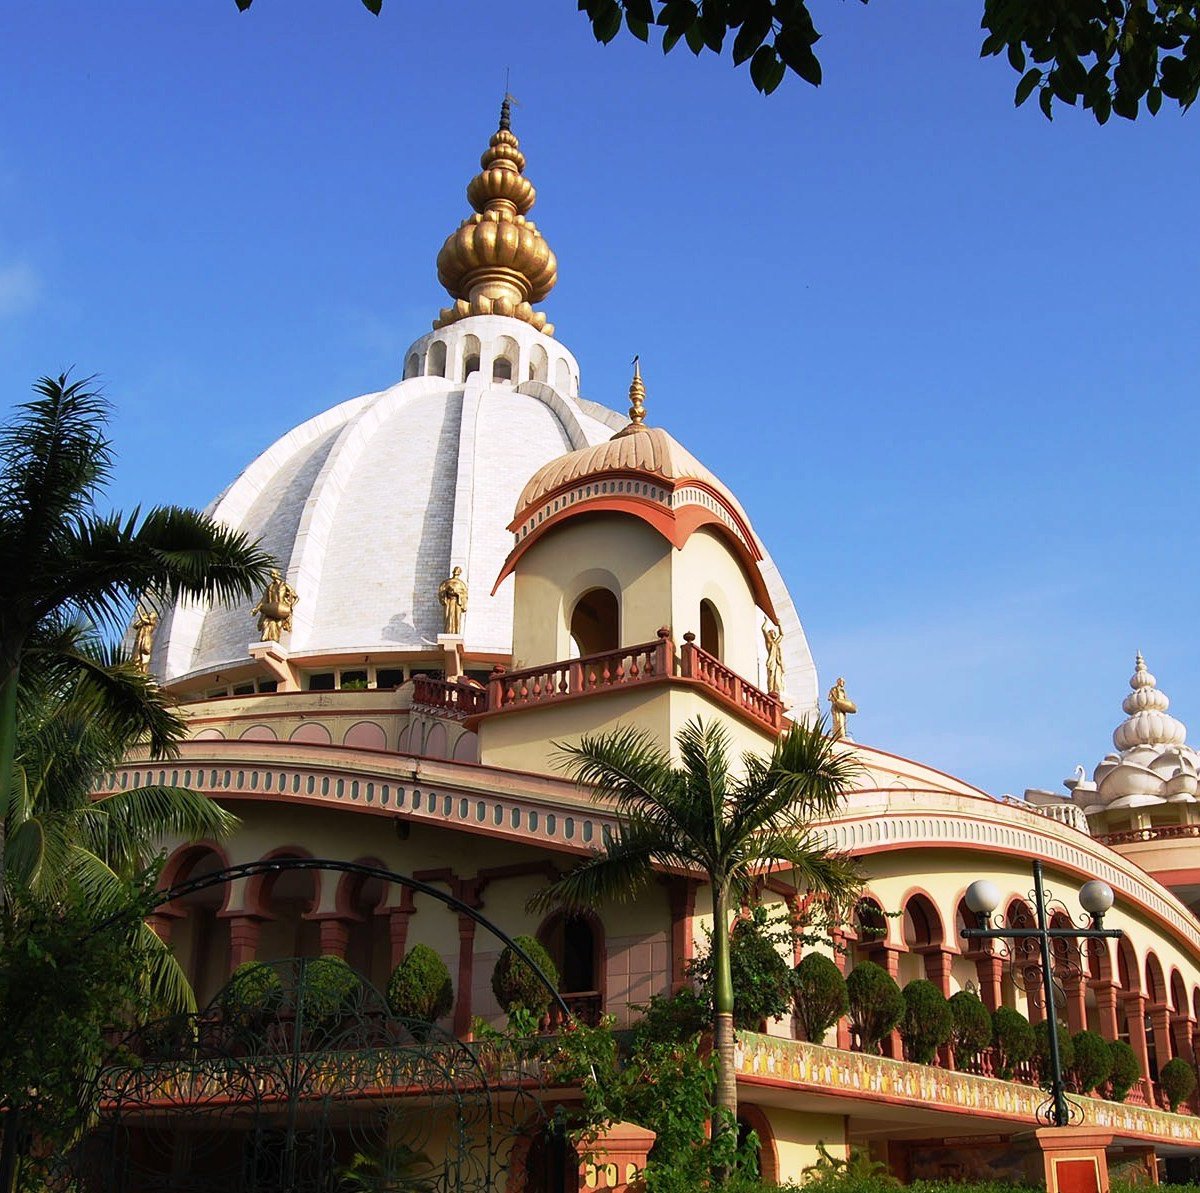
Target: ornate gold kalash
[(497, 263)]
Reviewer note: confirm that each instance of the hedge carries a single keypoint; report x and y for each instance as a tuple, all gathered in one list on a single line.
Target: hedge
[(516, 986), (928, 1020), (876, 1004), (420, 986), (820, 994)]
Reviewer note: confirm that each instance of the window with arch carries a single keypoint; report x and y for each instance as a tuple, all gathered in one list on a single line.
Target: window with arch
[(575, 943), (502, 369), (436, 366), (562, 376), (504, 363), (286, 900), (471, 350), (200, 938), (595, 623), (539, 363), (411, 366), (712, 632)]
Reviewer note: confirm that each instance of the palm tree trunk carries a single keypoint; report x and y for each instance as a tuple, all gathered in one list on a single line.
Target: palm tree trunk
[(723, 1038), (8, 752)]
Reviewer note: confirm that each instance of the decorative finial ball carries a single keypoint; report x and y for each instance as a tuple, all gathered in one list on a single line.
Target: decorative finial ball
[(1096, 897), (983, 897)]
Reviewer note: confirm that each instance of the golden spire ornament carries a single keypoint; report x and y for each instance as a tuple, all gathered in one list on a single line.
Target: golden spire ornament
[(498, 263), (637, 396)]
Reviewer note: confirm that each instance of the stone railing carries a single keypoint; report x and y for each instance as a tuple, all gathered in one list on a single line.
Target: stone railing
[(829, 1071), (1164, 832), (696, 663), (458, 699)]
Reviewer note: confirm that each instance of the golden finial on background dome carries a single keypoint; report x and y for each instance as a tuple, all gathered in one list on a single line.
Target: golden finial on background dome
[(498, 263), (637, 396)]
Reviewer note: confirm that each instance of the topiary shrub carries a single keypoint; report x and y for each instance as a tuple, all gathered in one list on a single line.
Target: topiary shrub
[(327, 986), (876, 1004), (1126, 1071), (1177, 1079), (252, 992), (420, 986), (972, 1031), (1093, 1060), (927, 1021), (1013, 1038), (1041, 1050), (516, 986), (820, 995), (762, 979)]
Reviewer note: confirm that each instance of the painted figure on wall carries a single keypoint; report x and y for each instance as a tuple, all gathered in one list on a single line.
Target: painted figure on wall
[(453, 595)]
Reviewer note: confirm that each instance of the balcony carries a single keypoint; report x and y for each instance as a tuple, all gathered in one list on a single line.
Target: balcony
[(570, 679)]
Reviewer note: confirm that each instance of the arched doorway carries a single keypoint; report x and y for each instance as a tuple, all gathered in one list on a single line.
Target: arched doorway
[(595, 623), (712, 632), (575, 943)]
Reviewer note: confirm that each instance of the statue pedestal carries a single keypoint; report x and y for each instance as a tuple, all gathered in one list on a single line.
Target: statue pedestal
[(452, 650), (274, 657), (1075, 1159)]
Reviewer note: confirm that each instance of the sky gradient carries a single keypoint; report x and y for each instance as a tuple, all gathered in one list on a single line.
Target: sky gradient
[(944, 351)]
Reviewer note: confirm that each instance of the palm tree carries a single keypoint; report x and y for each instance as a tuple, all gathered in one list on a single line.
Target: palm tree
[(65, 563), (702, 815), (74, 724)]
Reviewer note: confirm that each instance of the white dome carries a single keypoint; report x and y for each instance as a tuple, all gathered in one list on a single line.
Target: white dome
[(368, 506)]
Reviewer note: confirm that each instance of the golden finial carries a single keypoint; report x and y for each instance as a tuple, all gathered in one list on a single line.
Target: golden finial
[(497, 263), (637, 396)]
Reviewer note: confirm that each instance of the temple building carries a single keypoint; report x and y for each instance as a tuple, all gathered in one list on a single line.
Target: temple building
[(477, 562)]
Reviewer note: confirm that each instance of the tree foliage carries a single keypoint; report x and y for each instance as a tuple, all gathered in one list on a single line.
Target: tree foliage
[(1093, 1060), (972, 1031), (420, 986), (1013, 1038), (1126, 1071), (876, 1003), (1177, 1079), (1041, 1049), (1110, 56), (927, 1022), (329, 983), (820, 995), (253, 991), (516, 986)]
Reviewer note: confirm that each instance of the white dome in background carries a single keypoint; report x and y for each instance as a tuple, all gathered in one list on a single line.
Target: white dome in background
[(368, 506)]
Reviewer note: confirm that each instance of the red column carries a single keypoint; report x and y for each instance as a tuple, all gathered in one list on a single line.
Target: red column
[(1076, 1004), (1134, 1006), (988, 970), (466, 971), (1182, 1034), (398, 918), (1106, 1008), (244, 931), (1160, 1024), (937, 969), (889, 957), (682, 893), (335, 935), (843, 959)]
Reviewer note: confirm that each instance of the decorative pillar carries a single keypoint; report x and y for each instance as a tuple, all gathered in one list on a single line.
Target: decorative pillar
[(888, 956), (466, 971), (398, 918), (1182, 1034), (842, 958), (1076, 992), (937, 968), (617, 1158), (988, 969), (1160, 1024), (1106, 1008), (1134, 1006), (244, 933), (335, 935), (682, 894)]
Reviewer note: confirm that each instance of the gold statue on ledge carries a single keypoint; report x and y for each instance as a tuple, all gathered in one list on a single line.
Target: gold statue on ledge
[(453, 595), (274, 609), (773, 637), (840, 706), (144, 623)]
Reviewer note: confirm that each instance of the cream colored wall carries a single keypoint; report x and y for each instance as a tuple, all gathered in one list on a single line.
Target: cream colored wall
[(706, 568), (612, 551), (797, 1135)]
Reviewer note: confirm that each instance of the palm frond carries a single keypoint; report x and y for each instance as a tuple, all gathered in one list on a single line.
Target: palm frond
[(625, 767), (813, 866)]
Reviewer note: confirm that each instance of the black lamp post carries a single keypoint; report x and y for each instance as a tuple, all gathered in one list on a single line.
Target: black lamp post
[(1095, 897)]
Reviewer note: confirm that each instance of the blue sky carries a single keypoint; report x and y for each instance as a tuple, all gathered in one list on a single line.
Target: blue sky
[(944, 351)]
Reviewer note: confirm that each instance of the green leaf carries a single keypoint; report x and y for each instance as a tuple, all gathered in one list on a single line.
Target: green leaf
[(752, 34), (606, 21), (1046, 100), (1125, 105), (637, 27), (1154, 100), (1029, 81), (797, 55), (766, 70), (243, 4), (373, 6), (1016, 56)]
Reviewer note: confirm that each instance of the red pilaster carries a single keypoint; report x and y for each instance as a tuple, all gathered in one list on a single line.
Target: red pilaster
[(1134, 1006), (988, 970), (1076, 992), (466, 970), (335, 935), (244, 933), (682, 893), (1106, 1008), (1160, 1024), (398, 918)]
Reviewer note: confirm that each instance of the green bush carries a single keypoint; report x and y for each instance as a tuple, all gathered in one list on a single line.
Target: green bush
[(1093, 1060), (253, 990), (516, 986), (420, 986), (972, 1031), (675, 1020), (1041, 1050), (1126, 1071), (928, 1021), (762, 979), (820, 995), (876, 1004), (1177, 1079), (1013, 1038), (328, 985)]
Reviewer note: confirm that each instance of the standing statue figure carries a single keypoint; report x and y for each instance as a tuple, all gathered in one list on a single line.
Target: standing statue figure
[(840, 705), (274, 608), (144, 623), (773, 637), (453, 595)]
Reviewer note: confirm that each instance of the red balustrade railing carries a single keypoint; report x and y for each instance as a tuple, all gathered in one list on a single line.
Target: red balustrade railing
[(1164, 832), (696, 663), (587, 1007), (458, 699), (574, 677)]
